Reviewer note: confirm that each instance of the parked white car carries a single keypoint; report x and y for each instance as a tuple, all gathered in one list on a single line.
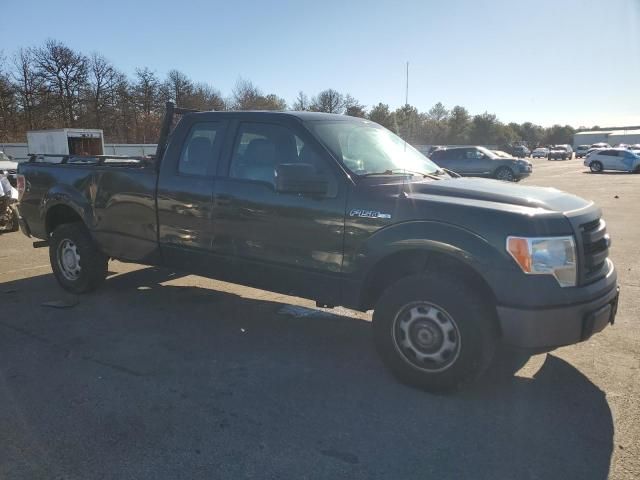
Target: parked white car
[(540, 153), (613, 159)]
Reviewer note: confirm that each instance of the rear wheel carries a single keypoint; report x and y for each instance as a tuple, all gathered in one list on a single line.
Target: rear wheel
[(77, 263), (595, 167), (505, 173), (434, 332)]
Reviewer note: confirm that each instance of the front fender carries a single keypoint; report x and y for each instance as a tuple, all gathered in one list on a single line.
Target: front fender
[(428, 236)]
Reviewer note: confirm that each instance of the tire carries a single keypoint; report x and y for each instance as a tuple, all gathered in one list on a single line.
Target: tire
[(505, 173), (428, 337), (596, 167), (77, 263)]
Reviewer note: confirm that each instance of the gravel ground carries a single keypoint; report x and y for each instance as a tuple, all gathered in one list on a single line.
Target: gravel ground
[(159, 375)]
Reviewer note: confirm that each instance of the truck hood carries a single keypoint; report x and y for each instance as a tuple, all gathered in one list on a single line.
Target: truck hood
[(498, 192)]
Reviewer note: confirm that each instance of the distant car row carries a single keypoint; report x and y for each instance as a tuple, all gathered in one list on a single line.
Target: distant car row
[(554, 152), (584, 150), (482, 162)]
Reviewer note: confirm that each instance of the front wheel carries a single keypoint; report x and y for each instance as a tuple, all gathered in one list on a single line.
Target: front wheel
[(505, 173), (434, 332), (596, 167), (77, 263)]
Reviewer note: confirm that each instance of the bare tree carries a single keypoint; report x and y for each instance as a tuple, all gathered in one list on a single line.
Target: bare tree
[(329, 101), (177, 88), (27, 84), (125, 120), (205, 97), (146, 98), (353, 107), (7, 105), (101, 88), (301, 103), (246, 96), (64, 73)]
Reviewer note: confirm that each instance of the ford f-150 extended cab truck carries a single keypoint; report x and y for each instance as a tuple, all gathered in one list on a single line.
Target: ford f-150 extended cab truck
[(341, 211)]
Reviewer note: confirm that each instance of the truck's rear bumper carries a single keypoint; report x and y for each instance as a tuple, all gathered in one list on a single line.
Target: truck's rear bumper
[(554, 327)]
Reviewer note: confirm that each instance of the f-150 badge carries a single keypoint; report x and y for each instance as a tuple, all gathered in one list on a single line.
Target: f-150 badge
[(368, 214)]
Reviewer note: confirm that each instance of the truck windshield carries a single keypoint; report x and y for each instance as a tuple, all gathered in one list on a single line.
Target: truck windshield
[(366, 148)]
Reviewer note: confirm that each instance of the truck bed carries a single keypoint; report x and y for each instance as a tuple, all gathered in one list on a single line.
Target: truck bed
[(114, 196)]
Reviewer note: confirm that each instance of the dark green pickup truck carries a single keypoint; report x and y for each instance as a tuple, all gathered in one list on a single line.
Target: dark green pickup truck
[(341, 211)]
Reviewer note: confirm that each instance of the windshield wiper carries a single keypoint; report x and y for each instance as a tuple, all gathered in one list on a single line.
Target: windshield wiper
[(401, 171), (451, 173)]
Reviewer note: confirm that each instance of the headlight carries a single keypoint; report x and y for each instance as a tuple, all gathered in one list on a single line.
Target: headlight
[(546, 256)]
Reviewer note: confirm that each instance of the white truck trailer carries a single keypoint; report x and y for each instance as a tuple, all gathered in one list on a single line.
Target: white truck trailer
[(66, 141)]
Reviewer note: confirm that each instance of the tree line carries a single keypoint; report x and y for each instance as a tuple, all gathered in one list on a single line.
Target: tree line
[(54, 86)]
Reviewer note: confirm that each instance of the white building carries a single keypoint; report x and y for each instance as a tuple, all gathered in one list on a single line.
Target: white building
[(612, 137)]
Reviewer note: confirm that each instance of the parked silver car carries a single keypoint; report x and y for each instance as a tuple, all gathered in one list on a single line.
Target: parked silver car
[(481, 162)]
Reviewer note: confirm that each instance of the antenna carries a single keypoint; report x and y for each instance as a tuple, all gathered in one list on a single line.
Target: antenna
[(406, 104), (406, 96)]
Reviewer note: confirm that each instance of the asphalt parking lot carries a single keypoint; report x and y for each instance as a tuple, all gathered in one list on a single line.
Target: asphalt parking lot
[(159, 375)]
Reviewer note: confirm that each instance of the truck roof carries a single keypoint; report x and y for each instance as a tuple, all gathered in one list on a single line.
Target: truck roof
[(304, 116)]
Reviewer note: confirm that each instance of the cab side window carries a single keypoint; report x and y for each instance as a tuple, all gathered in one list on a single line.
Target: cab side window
[(473, 154), (201, 149), (260, 147)]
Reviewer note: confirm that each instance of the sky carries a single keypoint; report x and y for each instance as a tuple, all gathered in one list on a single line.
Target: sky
[(571, 62)]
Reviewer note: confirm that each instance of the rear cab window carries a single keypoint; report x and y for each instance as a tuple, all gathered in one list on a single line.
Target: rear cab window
[(201, 149)]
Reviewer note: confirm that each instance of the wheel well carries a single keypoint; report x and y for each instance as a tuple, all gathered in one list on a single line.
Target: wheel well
[(396, 266), (59, 215)]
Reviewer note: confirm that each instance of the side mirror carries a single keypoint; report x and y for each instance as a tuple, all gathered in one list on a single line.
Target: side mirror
[(300, 178)]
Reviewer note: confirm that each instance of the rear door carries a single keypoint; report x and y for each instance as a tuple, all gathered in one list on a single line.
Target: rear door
[(291, 243), (185, 191)]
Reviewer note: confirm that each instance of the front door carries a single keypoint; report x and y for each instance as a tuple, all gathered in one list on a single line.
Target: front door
[(291, 243), (476, 162)]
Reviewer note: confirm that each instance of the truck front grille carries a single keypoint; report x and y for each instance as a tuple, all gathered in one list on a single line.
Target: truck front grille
[(595, 250)]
